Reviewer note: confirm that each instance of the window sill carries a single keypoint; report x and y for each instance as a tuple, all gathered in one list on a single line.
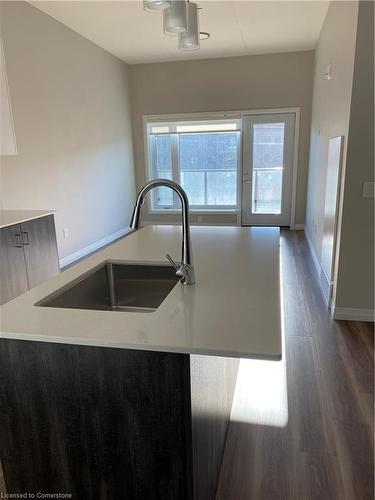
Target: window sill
[(197, 211)]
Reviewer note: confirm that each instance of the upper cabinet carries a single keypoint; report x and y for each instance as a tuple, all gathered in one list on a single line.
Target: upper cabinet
[(7, 134)]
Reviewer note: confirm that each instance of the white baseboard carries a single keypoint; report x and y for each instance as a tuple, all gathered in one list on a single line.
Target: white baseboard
[(313, 253), (344, 313), (299, 227), (326, 286), (69, 259), (349, 314)]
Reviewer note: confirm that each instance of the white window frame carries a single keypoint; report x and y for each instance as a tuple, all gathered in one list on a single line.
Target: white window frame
[(239, 113), (150, 167)]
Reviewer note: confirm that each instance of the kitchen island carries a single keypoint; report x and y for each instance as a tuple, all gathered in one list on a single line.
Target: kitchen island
[(135, 405)]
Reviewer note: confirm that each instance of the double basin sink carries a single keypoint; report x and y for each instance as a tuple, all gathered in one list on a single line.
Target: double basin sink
[(116, 286)]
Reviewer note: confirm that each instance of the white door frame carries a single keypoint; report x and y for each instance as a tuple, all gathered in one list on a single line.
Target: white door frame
[(296, 111), (248, 217), (240, 113)]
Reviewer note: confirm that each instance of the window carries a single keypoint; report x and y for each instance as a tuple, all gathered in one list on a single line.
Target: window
[(201, 156), (268, 161)]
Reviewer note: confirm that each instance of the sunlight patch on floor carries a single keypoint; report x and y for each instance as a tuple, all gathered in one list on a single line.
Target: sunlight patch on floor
[(261, 395)]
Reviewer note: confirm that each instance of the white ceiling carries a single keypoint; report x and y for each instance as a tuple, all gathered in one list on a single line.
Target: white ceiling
[(237, 27)]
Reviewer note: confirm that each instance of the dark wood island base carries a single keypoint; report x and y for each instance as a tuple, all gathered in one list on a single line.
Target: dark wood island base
[(111, 424)]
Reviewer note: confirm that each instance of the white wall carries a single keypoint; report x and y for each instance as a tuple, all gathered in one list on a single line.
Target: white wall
[(249, 82), (344, 106), (71, 110), (331, 106), (355, 283)]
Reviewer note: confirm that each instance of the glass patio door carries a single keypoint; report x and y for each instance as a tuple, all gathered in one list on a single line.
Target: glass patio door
[(268, 144)]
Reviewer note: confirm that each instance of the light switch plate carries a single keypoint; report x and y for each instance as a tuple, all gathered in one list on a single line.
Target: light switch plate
[(368, 189)]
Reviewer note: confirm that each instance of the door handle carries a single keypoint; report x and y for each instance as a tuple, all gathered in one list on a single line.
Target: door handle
[(25, 238), (18, 240)]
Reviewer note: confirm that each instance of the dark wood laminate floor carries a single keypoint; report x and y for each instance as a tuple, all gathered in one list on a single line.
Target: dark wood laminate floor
[(304, 430)]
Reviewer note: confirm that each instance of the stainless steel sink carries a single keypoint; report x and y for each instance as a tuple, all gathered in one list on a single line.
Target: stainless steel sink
[(115, 286)]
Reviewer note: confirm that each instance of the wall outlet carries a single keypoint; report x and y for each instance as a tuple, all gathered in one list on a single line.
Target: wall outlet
[(65, 232)]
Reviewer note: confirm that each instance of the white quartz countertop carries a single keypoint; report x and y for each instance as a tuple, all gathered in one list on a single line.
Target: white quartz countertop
[(232, 310), (11, 217)]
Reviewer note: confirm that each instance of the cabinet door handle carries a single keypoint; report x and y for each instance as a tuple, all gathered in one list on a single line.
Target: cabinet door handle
[(18, 240), (25, 238)]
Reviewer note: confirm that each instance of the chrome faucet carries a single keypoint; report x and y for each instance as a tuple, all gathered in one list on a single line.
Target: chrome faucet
[(186, 268)]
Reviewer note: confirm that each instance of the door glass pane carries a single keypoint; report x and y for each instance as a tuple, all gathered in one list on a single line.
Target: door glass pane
[(208, 167), (268, 164), (163, 197)]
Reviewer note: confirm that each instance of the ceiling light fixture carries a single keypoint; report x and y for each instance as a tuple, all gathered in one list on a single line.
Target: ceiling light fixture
[(152, 5), (175, 18), (189, 40), (180, 17)]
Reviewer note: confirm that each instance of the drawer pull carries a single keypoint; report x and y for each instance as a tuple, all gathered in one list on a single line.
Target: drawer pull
[(18, 240), (25, 238)]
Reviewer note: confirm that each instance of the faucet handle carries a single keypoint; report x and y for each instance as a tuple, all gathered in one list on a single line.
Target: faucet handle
[(172, 262), (186, 271)]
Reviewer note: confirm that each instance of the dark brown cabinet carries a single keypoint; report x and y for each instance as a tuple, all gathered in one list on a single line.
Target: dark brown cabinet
[(28, 256), (13, 277), (39, 246), (113, 424)]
